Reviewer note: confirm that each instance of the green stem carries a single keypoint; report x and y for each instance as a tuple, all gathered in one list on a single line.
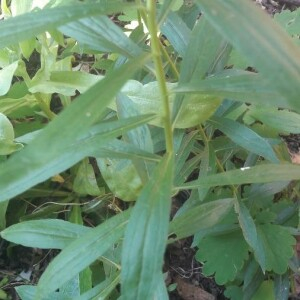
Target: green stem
[(172, 65), (160, 76), (219, 165)]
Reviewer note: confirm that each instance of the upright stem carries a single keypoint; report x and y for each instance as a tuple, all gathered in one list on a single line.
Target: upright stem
[(160, 75)]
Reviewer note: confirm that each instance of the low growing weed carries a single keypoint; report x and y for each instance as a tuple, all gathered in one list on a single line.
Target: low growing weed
[(108, 109)]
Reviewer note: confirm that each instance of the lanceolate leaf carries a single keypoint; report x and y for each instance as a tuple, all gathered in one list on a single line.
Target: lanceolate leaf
[(238, 85), (246, 26), (244, 137), (250, 234), (44, 234), (146, 235), (27, 168), (283, 120), (25, 26), (257, 174), (88, 248), (101, 34), (199, 217)]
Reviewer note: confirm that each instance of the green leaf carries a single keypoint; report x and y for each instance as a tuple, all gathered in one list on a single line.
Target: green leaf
[(199, 60), (3, 208), (283, 120), (6, 75), (146, 235), (289, 20), (28, 167), (65, 83), (102, 34), (236, 23), (223, 255), (177, 32), (28, 25), (282, 286), (146, 99), (29, 292), (6, 129), (250, 234), (85, 181), (66, 265), (8, 147), (44, 234), (199, 217), (121, 177), (265, 291), (238, 85), (10, 105), (234, 292), (102, 290), (277, 244), (139, 136), (244, 137), (257, 174)]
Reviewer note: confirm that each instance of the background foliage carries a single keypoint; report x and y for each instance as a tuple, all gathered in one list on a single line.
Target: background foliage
[(108, 109)]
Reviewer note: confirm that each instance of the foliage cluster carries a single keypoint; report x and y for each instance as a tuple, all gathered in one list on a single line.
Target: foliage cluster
[(108, 109)]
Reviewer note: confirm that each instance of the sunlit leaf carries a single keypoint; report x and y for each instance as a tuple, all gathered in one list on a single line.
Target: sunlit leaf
[(6, 75)]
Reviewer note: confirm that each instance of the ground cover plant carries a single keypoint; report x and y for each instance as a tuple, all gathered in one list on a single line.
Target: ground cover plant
[(110, 109)]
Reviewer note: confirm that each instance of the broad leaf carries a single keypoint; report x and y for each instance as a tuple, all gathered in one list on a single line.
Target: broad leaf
[(147, 100), (223, 255), (121, 177), (146, 235), (277, 245)]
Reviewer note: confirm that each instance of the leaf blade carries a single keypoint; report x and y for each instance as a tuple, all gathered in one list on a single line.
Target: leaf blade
[(147, 231)]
